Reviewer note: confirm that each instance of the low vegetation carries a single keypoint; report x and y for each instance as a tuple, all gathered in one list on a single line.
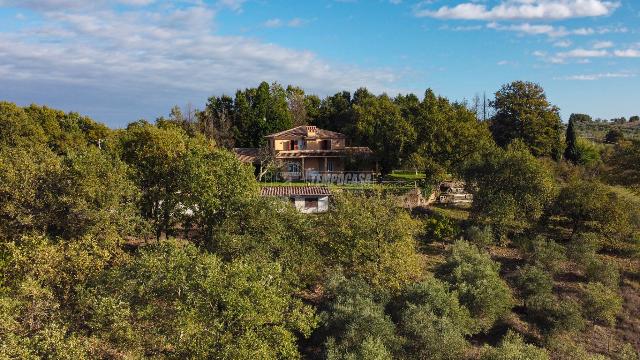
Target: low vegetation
[(152, 241)]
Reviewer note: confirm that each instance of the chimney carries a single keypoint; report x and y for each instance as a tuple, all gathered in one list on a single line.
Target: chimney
[(311, 130)]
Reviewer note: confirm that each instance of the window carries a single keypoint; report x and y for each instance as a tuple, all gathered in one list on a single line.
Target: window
[(329, 165), (325, 145), (293, 167), (311, 203)]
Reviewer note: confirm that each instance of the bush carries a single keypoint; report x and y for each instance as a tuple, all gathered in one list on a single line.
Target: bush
[(513, 347), (583, 248), (534, 281), (439, 228), (435, 295), (354, 316), (627, 352), (546, 253), (476, 278), (603, 271), (481, 236), (370, 238), (431, 336), (553, 315), (601, 303)]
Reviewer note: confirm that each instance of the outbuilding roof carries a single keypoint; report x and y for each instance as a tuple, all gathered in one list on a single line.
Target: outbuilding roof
[(287, 191)]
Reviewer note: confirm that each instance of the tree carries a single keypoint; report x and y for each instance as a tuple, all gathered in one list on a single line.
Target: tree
[(523, 112), (634, 118), (380, 126), (448, 135), (614, 136), (591, 206), (17, 128), (217, 121), (571, 152), (513, 189), (580, 118), (624, 164), (513, 346), (371, 238), (477, 280), (297, 105)]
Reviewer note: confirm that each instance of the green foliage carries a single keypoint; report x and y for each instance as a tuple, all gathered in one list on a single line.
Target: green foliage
[(513, 189), (624, 164), (553, 315), (372, 238), (271, 230), (534, 281), (589, 152), (440, 228), (545, 253), (480, 236), (601, 303), (354, 316), (184, 179), (17, 128), (513, 347), (523, 112), (477, 280), (379, 124), (571, 152), (594, 207), (603, 271), (614, 136), (432, 321)]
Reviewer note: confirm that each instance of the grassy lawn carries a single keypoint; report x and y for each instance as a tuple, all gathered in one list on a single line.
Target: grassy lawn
[(405, 175)]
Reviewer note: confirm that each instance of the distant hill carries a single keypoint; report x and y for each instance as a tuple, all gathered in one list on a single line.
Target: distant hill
[(596, 131)]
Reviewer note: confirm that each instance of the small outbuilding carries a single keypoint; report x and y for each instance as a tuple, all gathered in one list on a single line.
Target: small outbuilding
[(307, 199)]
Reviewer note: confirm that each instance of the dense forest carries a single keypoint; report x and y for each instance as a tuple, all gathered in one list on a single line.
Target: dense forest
[(153, 241)]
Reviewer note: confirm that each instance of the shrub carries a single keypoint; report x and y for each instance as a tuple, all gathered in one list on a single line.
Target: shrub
[(553, 315), (435, 295), (601, 303), (534, 281), (566, 348), (583, 248), (603, 271), (512, 347), (440, 228), (355, 316), (546, 253), (627, 352), (481, 236), (476, 278), (431, 336)]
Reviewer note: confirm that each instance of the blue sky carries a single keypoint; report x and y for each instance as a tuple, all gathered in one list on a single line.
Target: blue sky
[(119, 61)]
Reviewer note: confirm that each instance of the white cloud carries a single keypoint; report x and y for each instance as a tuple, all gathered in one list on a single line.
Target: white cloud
[(521, 9), (563, 43), (583, 53), (276, 23), (628, 53), (603, 45), (540, 29), (273, 23), (162, 52), (593, 77)]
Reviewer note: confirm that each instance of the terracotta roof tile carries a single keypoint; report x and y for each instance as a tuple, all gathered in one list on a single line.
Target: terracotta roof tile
[(295, 191), (302, 131)]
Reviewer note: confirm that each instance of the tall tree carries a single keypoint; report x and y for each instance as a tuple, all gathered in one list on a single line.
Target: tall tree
[(571, 152), (380, 126), (523, 112)]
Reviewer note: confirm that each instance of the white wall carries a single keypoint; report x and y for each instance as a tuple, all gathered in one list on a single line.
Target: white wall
[(323, 204)]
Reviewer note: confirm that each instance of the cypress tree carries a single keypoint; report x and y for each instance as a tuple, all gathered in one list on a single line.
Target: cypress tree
[(571, 153)]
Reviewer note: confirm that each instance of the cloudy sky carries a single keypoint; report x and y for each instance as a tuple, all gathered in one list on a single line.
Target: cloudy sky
[(123, 60)]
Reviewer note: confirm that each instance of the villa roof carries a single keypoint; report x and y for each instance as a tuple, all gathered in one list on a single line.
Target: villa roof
[(295, 191), (307, 132)]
